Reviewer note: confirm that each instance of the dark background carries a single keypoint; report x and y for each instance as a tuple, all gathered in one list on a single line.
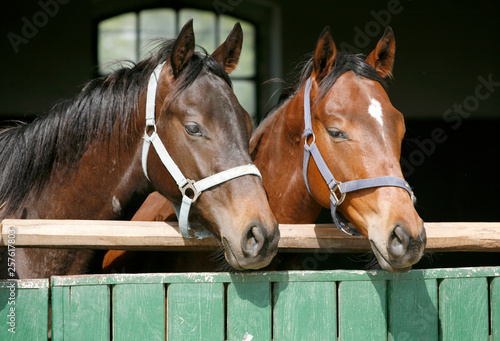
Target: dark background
[(443, 47)]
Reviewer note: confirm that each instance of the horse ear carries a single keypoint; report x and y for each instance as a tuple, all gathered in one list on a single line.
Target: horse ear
[(183, 48), (324, 56), (382, 58), (228, 54)]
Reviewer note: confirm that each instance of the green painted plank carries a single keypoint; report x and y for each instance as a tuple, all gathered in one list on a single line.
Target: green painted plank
[(138, 312), (195, 311), (495, 309), (463, 309), (60, 299), (81, 313), (249, 311), (412, 307), (362, 310), (278, 276), (305, 311), (24, 312)]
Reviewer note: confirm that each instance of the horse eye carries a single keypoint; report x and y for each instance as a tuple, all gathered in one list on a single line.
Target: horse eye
[(338, 134), (193, 129)]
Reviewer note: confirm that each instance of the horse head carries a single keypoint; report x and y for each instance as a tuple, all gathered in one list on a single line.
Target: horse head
[(359, 134), (206, 131)]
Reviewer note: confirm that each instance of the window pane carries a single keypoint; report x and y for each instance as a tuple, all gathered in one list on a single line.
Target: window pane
[(204, 27), (155, 23), (246, 64), (245, 91), (116, 40)]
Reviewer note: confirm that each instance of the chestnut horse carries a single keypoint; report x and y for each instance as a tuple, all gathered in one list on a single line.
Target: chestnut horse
[(357, 133), (83, 159)]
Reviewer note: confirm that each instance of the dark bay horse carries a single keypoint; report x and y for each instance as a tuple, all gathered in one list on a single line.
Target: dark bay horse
[(82, 160), (359, 133)]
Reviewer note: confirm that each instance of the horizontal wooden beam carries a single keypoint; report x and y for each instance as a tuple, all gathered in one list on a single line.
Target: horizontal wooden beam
[(136, 235)]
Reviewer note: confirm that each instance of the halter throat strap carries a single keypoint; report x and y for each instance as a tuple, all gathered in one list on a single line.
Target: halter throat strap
[(190, 189), (338, 190)]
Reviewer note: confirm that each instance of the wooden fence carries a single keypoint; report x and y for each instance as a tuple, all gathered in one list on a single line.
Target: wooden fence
[(137, 235)]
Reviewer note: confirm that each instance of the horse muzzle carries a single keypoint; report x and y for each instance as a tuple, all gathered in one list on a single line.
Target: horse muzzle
[(256, 249), (401, 249)]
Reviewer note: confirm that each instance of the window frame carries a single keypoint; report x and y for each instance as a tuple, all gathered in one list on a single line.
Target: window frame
[(265, 16)]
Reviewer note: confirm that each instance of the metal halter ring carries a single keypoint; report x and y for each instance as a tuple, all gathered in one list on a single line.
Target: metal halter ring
[(189, 186), (335, 196), (313, 141), (146, 129)]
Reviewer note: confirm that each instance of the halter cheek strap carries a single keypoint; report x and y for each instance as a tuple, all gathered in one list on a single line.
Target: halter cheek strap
[(190, 189), (338, 190)]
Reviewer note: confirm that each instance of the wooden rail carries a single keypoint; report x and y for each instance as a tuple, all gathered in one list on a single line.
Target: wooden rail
[(136, 235)]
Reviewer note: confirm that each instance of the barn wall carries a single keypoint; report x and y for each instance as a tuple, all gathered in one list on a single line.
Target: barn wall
[(443, 48)]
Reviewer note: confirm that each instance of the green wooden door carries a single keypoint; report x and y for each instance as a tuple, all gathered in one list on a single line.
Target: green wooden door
[(434, 304)]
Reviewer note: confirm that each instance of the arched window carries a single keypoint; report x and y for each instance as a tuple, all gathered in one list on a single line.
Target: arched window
[(129, 36)]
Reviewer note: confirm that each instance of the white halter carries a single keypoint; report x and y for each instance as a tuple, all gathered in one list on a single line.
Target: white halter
[(185, 185)]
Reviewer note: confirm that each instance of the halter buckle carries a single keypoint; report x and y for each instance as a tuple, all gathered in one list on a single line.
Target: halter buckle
[(339, 199), (189, 190)]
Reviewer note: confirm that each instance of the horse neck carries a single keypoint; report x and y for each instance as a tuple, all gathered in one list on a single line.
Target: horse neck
[(107, 182), (277, 149)]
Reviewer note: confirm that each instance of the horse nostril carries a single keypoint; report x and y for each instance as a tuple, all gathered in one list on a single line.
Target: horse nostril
[(253, 240), (398, 241)]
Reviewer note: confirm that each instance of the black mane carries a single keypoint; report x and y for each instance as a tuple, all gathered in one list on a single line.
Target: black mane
[(29, 153), (343, 63)]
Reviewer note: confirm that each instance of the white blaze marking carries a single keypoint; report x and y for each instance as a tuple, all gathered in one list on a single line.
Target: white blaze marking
[(375, 110)]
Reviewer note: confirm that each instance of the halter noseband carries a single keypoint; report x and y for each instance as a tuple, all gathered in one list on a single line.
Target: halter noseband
[(190, 189), (338, 190)]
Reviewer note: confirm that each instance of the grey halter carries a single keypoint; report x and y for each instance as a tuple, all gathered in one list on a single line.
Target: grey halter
[(338, 190), (190, 189)]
